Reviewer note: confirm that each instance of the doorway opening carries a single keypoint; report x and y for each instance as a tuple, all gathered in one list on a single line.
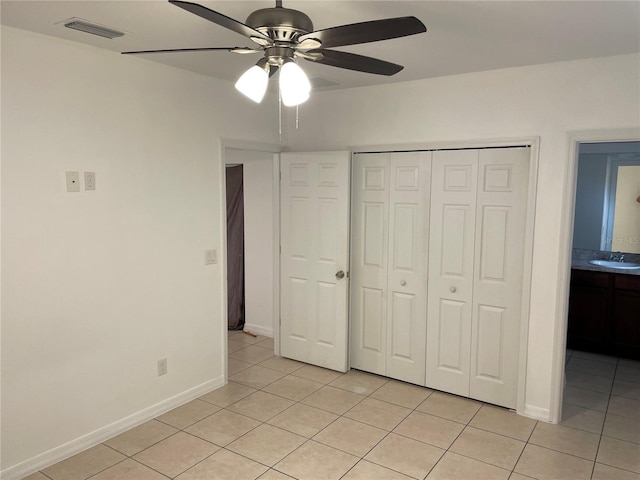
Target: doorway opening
[(235, 248), (586, 367), (256, 250)]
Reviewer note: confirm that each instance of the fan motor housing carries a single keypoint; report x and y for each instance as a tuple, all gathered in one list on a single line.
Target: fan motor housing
[(280, 24)]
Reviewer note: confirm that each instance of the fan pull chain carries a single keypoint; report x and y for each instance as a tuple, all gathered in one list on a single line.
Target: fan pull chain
[(297, 118), (280, 114)]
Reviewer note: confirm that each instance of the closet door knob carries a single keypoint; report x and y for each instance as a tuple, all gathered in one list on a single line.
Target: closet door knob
[(452, 289), (403, 282), (340, 275)]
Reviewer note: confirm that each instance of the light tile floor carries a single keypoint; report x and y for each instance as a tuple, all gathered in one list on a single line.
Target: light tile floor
[(280, 419)]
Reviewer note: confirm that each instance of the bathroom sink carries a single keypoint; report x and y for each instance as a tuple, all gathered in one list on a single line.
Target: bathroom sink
[(610, 264)]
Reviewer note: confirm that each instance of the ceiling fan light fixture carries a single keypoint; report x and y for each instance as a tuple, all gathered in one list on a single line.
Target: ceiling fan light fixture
[(294, 84), (284, 34), (253, 83)]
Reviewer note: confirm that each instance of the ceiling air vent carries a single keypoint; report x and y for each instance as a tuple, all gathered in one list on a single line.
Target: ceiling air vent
[(92, 28)]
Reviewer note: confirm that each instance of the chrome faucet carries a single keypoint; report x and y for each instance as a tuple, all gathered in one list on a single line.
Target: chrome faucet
[(616, 257)]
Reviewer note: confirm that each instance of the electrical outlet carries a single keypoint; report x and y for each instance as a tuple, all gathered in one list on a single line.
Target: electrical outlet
[(210, 257), (89, 180), (73, 181), (162, 367)]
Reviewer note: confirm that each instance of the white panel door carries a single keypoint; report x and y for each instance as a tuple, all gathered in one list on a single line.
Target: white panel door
[(314, 237), (369, 240), (389, 231), (498, 270), (451, 254), (407, 270)]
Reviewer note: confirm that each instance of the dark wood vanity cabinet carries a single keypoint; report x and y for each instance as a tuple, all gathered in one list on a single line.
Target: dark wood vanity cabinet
[(604, 313), (589, 299), (626, 315)]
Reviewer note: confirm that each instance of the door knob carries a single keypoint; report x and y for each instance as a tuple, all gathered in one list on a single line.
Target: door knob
[(340, 275), (403, 282), (452, 289)]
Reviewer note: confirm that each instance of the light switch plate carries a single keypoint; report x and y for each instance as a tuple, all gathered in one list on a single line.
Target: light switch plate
[(210, 257)]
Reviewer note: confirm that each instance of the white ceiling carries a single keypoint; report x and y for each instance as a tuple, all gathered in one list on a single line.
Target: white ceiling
[(462, 36)]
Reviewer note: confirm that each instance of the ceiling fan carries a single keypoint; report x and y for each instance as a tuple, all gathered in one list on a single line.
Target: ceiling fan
[(284, 34)]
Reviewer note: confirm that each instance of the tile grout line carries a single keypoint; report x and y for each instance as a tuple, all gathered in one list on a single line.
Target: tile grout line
[(606, 413), (178, 430), (388, 432), (468, 424), (307, 440), (524, 448), (359, 457)]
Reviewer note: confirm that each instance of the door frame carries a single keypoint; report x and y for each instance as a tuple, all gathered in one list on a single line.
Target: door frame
[(231, 144), (534, 144), (566, 246)]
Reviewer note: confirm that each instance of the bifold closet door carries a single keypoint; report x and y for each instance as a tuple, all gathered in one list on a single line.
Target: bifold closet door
[(451, 248), (476, 249), (369, 261), (389, 230), (498, 271)]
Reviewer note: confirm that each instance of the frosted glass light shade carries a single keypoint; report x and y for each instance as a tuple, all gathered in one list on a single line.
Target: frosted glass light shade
[(253, 83), (294, 85)]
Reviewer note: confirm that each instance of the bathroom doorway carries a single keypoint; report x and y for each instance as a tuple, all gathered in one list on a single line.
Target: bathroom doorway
[(586, 237)]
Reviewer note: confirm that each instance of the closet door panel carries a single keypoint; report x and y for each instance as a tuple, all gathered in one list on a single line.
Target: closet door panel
[(499, 251), (450, 278), (369, 240), (402, 312), (372, 333), (452, 339), (408, 233), (489, 325)]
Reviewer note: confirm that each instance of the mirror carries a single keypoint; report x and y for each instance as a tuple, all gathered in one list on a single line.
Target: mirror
[(607, 210)]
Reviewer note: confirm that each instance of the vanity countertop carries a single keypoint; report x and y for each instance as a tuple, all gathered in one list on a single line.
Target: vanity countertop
[(583, 264)]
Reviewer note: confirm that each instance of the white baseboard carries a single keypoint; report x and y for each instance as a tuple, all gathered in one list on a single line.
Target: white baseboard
[(96, 437), (258, 330), (537, 413)]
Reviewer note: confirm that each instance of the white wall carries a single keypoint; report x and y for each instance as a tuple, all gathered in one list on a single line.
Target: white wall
[(259, 210), (97, 286), (547, 101), (590, 199)]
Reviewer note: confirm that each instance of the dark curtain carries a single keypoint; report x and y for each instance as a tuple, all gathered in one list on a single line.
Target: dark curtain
[(235, 248)]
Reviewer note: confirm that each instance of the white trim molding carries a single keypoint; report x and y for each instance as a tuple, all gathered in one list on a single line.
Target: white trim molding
[(536, 413), (96, 437), (258, 330)]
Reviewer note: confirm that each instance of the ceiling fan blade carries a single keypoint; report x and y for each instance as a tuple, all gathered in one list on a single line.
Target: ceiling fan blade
[(228, 49), (351, 61), (223, 21), (365, 32)]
